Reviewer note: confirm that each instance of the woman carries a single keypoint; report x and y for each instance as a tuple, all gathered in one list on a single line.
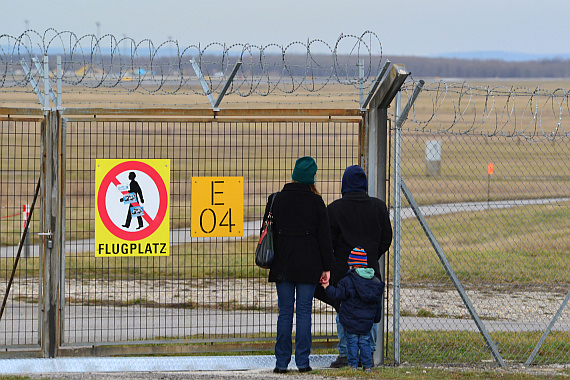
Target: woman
[(303, 258)]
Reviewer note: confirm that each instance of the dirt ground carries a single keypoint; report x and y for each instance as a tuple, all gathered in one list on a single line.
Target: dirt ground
[(546, 371)]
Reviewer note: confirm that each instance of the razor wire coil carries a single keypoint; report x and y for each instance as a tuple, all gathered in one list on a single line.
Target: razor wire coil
[(144, 67), (124, 65)]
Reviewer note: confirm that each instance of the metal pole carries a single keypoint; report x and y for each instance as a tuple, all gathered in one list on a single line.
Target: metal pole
[(492, 346), (59, 84), (381, 143), (46, 83), (400, 118), (371, 162), (32, 81), (361, 81), (226, 86), (203, 82), (397, 229), (547, 331), (51, 247)]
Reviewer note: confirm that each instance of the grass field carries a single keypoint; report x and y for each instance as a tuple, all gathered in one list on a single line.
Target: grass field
[(523, 169)]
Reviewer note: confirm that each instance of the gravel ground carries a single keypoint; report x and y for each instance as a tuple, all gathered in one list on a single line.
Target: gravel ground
[(221, 375), (502, 303)]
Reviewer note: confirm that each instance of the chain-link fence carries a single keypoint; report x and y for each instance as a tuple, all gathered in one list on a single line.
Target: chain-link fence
[(498, 207)]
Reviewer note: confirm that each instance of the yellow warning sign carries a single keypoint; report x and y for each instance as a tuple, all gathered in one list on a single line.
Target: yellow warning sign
[(217, 207), (132, 214)]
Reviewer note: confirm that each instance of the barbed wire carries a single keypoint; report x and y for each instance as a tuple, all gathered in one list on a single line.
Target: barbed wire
[(126, 64), (460, 108), (296, 70)]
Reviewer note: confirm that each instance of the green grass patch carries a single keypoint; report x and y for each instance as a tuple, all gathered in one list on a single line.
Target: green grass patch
[(522, 245), (443, 347), (417, 373)]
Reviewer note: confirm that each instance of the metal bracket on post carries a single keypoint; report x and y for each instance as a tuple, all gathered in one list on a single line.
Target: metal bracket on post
[(49, 238), (48, 89), (215, 103), (32, 81), (52, 94), (379, 77), (227, 85)]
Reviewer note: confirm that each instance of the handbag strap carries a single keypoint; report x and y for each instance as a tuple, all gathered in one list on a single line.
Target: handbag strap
[(269, 215)]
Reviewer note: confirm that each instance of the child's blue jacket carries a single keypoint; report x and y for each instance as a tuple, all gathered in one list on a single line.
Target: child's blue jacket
[(361, 300)]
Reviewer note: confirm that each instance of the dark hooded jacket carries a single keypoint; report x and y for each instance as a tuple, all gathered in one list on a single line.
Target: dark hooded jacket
[(303, 245), (361, 301), (357, 220)]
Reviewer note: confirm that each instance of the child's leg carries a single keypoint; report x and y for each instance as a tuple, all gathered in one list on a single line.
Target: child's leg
[(352, 349), (365, 351)]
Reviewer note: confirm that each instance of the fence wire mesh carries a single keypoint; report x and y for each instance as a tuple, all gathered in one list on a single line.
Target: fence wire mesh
[(20, 170), (208, 289), (498, 207)]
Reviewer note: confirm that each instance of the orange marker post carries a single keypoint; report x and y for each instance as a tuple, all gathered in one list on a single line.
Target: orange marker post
[(490, 170)]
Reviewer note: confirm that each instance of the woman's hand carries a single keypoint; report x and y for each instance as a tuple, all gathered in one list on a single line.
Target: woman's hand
[(325, 276)]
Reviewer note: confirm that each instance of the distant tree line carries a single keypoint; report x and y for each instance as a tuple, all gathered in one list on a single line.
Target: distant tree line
[(345, 66), (424, 67), (465, 68)]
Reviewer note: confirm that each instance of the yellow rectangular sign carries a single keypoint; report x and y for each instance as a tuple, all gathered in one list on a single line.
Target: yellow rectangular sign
[(217, 207), (132, 213)]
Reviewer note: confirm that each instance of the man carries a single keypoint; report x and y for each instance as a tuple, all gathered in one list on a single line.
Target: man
[(134, 188), (357, 219)]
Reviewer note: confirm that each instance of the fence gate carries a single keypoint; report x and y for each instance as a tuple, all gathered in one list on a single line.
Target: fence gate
[(20, 162), (207, 295)]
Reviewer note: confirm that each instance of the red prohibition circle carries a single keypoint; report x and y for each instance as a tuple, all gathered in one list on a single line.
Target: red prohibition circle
[(162, 206)]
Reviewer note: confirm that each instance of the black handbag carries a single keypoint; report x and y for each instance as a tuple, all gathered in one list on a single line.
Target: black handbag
[(264, 252)]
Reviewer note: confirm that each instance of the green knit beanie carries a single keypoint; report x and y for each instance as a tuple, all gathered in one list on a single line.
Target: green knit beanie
[(305, 170)]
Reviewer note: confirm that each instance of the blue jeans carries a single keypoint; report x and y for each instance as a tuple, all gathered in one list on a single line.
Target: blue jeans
[(355, 343), (304, 304), (341, 346)]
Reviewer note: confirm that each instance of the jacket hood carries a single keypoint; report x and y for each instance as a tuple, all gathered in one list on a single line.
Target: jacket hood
[(354, 180), (368, 290), (366, 273)]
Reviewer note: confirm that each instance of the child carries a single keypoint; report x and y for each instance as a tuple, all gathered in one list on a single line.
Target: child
[(361, 295)]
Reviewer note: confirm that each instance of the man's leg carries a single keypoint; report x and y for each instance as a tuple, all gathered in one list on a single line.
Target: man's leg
[(341, 360), (373, 336)]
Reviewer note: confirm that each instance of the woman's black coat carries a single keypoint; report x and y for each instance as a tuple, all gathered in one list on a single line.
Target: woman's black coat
[(303, 245)]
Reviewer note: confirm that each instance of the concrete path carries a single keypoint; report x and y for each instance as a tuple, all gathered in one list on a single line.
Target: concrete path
[(183, 236), (92, 324)]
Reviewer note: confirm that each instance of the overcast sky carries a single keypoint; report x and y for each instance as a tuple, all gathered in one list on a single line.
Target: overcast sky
[(405, 27)]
